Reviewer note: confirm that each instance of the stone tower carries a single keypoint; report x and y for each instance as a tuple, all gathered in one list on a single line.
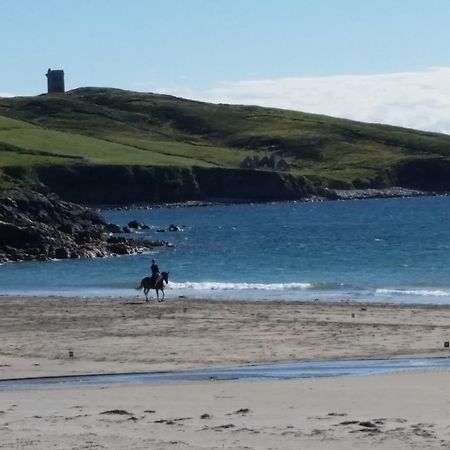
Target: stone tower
[(55, 81)]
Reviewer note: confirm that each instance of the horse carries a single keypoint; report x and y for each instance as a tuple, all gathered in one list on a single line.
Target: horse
[(147, 283)]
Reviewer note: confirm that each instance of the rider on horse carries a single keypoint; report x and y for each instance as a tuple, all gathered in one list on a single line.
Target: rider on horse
[(156, 274)]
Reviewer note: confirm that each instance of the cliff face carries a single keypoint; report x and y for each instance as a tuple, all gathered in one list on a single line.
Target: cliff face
[(431, 174), (251, 184), (116, 185)]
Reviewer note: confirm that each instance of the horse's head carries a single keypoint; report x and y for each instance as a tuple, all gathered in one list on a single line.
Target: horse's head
[(165, 276)]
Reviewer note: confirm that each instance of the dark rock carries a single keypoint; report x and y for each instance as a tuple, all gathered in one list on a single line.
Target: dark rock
[(116, 239), (11, 234), (18, 236), (61, 253), (66, 228), (38, 227), (173, 227), (113, 228), (161, 230), (85, 236), (127, 230), (119, 248), (135, 225)]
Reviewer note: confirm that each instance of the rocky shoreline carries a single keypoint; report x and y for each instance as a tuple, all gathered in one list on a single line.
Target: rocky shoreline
[(327, 195), (34, 226), (391, 192)]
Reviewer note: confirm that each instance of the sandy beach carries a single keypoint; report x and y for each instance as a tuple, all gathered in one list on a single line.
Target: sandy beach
[(406, 410)]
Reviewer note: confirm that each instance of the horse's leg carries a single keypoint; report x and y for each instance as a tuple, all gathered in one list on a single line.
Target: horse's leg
[(146, 294), (157, 294), (162, 290)]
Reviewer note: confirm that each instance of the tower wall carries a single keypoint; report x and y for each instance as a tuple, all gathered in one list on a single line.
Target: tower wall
[(55, 81)]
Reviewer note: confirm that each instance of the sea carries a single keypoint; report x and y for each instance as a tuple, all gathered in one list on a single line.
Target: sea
[(378, 250)]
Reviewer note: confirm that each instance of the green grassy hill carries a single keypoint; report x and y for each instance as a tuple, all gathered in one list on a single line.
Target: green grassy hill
[(97, 126)]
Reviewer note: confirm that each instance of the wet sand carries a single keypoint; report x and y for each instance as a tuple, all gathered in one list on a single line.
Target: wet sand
[(128, 335)]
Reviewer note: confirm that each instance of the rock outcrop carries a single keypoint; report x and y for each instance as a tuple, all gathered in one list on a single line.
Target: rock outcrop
[(34, 226)]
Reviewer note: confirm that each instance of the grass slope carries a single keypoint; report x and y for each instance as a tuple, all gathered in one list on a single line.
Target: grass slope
[(99, 125)]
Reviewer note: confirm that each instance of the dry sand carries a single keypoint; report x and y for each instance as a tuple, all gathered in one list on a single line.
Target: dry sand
[(399, 411)]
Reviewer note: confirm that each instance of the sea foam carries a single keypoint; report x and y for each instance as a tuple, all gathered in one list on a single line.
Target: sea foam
[(419, 292), (222, 286)]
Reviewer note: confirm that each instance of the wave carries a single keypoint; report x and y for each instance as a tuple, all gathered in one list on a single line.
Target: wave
[(419, 292), (222, 286)]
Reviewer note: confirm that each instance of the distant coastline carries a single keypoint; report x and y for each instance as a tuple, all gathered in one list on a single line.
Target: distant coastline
[(113, 147), (334, 195)]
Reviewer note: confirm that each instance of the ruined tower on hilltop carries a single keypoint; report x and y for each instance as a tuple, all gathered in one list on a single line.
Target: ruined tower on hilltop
[(55, 81)]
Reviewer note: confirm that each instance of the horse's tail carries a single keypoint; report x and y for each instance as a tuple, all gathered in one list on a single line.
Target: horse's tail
[(141, 285)]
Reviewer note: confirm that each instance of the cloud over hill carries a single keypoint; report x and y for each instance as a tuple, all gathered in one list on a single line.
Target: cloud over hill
[(418, 100)]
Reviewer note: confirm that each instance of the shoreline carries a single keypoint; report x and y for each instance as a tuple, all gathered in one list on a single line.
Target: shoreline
[(139, 298), (304, 299)]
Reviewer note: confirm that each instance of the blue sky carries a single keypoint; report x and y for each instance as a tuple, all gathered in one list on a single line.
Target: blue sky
[(269, 52)]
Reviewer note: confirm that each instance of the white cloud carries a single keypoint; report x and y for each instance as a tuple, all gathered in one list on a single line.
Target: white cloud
[(418, 100), (6, 94)]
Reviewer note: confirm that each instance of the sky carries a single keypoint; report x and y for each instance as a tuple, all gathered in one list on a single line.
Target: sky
[(385, 61)]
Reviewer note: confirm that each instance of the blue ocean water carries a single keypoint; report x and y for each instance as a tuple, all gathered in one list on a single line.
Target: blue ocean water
[(395, 250)]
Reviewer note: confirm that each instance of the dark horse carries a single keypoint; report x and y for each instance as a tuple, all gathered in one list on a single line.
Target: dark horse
[(147, 283)]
